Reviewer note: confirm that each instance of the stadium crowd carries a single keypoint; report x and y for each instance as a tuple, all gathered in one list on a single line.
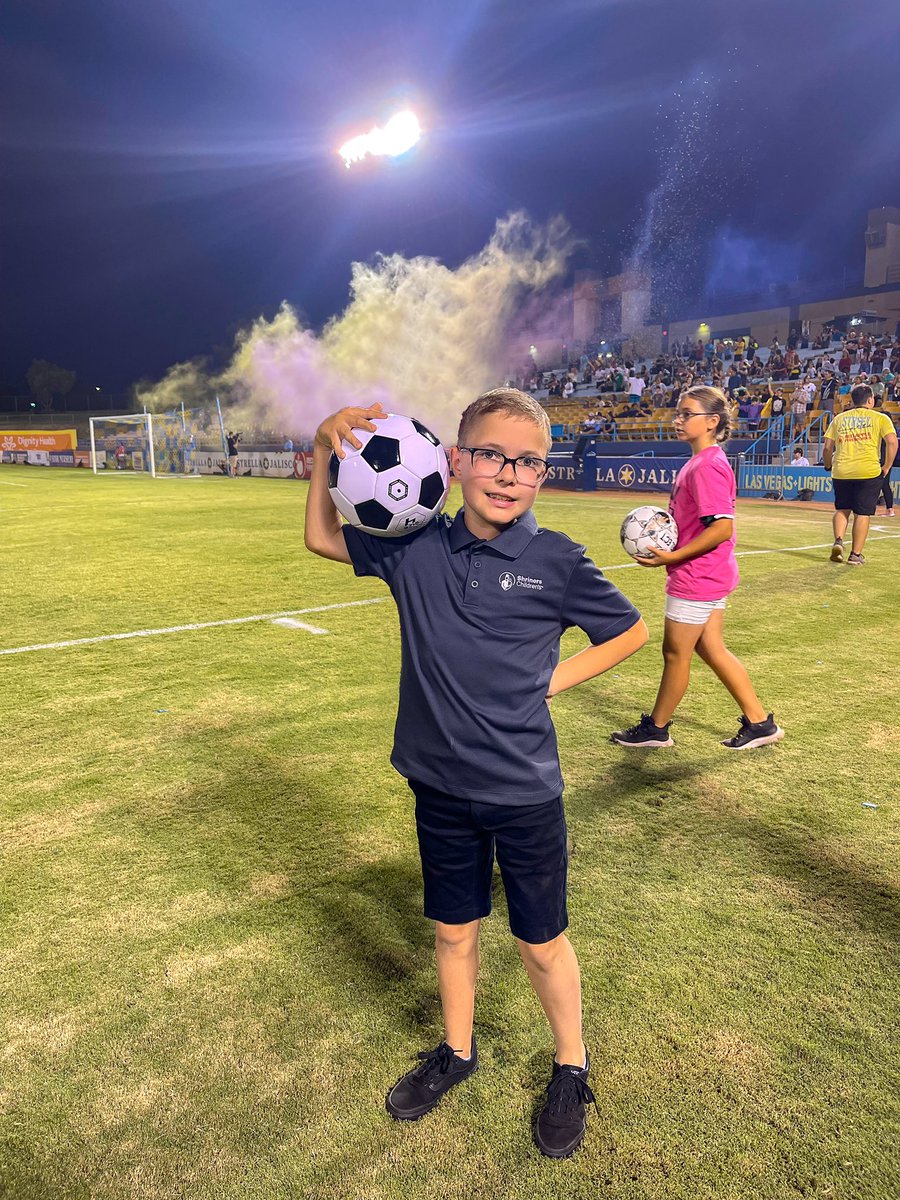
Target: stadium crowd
[(793, 380)]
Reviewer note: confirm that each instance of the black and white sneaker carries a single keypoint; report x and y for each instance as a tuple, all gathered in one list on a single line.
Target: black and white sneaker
[(751, 735), (560, 1125), (423, 1088), (645, 735)]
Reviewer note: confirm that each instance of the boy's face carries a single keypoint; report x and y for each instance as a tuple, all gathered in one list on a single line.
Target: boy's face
[(493, 503)]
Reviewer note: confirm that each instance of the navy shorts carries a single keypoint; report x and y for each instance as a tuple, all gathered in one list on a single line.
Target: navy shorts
[(457, 840)]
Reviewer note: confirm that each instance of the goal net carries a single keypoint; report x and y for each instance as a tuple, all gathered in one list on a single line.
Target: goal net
[(158, 443)]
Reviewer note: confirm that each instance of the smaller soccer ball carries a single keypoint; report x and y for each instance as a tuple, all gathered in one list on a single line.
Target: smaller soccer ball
[(648, 526), (395, 483)]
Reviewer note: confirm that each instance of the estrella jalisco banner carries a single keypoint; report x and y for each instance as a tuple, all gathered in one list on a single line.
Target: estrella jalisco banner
[(38, 439), (623, 474)]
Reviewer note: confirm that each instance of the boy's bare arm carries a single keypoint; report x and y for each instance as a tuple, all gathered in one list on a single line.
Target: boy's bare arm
[(323, 531), (594, 660)]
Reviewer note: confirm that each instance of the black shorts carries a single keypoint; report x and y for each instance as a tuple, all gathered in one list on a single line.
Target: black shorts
[(457, 839), (858, 495)]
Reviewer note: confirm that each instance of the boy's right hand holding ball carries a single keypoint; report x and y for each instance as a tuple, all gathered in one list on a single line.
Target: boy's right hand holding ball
[(340, 425)]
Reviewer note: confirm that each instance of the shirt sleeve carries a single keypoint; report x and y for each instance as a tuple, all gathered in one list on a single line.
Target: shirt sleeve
[(830, 431), (594, 604), (374, 555), (713, 488)]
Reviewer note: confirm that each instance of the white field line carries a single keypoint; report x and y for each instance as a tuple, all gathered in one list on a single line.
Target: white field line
[(290, 623), (121, 637), (6, 483), (299, 612)]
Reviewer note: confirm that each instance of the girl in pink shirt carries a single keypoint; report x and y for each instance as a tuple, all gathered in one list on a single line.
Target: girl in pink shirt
[(702, 571)]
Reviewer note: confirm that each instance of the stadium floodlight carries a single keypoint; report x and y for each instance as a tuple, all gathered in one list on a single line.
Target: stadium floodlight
[(400, 134)]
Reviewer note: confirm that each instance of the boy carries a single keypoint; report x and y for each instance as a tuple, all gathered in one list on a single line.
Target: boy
[(483, 599)]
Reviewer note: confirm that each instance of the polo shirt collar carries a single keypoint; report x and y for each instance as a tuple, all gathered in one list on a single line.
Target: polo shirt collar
[(510, 543)]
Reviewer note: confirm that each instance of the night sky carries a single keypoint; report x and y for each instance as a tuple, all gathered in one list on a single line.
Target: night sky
[(170, 169)]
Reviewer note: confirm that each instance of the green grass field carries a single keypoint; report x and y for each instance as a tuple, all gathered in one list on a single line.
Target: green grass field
[(212, 953)]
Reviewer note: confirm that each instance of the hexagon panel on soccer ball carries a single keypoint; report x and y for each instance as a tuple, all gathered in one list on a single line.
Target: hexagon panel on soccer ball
[(397, 489), (420, 454), (409, 521), (356, 479)]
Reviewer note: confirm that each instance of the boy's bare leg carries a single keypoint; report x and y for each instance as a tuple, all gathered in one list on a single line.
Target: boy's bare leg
[(456, 952), (679, 640), (839, 523), (553, 970), (728, 668)]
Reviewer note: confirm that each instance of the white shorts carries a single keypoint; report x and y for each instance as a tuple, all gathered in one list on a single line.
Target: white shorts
[(690, 612)]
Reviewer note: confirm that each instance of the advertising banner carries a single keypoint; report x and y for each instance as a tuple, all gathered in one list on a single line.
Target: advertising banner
[(38, 439), (284, 464), (621, 474), (62, 458), (754, 480)]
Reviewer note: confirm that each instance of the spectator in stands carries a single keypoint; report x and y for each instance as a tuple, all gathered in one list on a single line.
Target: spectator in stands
[(798, 406), (774, 401), (828, 391), (740, 347), (754, 412), (734, 380), (799, 459), (636, 385), (845, 363), (568, 389)]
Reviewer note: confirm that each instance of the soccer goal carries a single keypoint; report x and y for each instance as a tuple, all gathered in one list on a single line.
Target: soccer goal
[(123, 443), (162, 443)]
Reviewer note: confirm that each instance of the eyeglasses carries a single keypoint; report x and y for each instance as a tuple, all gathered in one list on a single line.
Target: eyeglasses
[(488, 463), (685, 415)]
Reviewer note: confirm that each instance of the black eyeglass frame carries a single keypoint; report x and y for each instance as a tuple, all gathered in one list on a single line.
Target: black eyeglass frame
[(473, 450)]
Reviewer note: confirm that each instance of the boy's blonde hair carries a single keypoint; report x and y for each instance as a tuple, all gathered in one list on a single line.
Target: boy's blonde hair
[(713, 401), (510, 401)]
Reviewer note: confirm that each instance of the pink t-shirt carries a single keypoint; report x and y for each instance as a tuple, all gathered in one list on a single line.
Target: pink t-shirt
[(704, 487)]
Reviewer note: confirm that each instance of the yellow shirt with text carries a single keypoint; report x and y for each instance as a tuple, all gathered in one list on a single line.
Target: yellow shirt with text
[(857, 435)]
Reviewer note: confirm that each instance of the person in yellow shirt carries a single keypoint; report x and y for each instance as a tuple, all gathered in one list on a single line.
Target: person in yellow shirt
[(852, 453)]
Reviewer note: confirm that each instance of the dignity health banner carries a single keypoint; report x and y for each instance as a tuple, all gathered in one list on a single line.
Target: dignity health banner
[(46, 440)]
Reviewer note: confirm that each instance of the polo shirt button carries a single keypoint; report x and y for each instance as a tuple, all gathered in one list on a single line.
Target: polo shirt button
[(474, 583), (477, 562)]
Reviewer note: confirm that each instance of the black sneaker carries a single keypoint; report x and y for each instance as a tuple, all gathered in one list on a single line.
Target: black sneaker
[(644, 735), (423, 1088), (560, 1125), (856, 560), (751, 735)]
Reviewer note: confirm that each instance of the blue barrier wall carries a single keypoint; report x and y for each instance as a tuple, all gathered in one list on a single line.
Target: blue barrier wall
[(757, 480), (628, 474)]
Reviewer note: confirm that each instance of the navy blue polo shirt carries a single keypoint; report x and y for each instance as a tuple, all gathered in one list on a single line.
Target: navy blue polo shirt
[(480, 624)]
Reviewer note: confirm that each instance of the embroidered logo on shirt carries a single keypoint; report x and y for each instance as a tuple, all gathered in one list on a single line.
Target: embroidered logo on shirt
[(508, 580)]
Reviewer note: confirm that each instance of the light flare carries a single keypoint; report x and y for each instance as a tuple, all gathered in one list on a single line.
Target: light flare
[(400, 134)]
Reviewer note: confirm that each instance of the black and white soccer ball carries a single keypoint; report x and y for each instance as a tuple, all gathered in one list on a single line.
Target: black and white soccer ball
[(395, 483), (648, 526)]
